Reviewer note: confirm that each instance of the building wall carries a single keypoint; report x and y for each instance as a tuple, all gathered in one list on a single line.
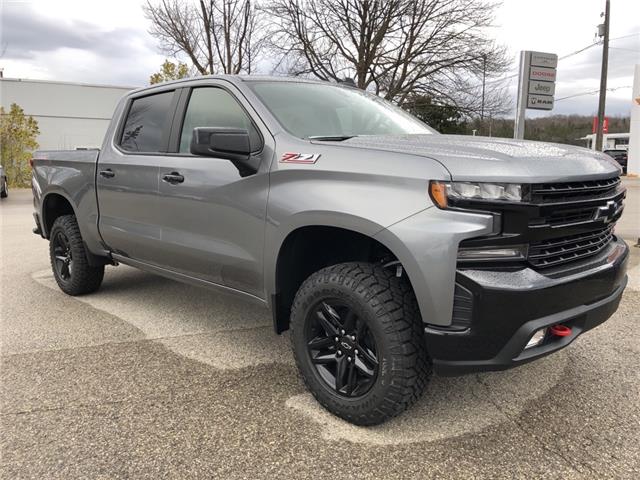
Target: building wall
[(633, 164), (69, 115)]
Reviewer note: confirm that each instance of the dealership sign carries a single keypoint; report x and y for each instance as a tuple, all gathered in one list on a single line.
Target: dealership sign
[(536, 86), (541, 79)]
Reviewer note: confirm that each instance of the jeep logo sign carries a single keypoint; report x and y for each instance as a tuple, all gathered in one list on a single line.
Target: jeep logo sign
[(541, 88)]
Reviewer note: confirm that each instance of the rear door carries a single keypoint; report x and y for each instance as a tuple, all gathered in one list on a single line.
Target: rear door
[(127, 177), (213, 215)]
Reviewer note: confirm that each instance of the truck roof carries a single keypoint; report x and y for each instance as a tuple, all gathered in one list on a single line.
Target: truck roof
[(235, 79)]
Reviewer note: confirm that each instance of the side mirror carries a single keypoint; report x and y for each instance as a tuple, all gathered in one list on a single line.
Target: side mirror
[(227, 143), (220, 142)]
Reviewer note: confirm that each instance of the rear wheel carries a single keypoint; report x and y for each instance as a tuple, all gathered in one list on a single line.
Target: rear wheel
[(69, 262), (358, 342), (4, 188)]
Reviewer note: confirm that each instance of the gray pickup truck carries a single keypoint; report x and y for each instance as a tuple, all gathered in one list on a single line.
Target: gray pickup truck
[(389, 250)]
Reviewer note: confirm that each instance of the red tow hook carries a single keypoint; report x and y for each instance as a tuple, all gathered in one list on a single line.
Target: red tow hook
[(560, 330)]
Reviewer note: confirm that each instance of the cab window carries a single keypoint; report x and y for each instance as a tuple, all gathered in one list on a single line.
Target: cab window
[(146, 123), (215, 107)]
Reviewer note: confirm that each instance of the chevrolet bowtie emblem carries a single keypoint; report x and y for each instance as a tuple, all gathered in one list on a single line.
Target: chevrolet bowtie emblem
[(607, 213)]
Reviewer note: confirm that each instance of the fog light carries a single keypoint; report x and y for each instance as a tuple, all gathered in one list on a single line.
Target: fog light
[(516, 252), (537, 338)]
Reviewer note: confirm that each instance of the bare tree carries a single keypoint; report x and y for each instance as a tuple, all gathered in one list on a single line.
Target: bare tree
[(396, 48), (218, 36)]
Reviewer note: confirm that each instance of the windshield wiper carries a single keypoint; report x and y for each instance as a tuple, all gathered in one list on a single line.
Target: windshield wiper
[(331, 138)]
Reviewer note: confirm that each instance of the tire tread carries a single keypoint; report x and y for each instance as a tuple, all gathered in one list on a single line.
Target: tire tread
[(85, 278), (395, 307)]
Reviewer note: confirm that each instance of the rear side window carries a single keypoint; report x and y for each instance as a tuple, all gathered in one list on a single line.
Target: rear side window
[(146, 123), (215, 107)]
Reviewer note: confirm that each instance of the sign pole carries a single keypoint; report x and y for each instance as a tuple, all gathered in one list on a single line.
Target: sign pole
[(518, 128)]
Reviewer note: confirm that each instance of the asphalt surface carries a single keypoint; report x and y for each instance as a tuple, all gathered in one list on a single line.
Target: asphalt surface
[(148, 378)]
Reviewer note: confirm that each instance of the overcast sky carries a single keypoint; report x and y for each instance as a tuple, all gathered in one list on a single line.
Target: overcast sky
[(93, 41)]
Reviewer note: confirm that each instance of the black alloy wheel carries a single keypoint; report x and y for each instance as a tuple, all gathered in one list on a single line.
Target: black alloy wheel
[(342, 348), (69, 262), (63, 256)]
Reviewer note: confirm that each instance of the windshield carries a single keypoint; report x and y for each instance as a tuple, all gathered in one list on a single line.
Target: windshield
[(322, 110)]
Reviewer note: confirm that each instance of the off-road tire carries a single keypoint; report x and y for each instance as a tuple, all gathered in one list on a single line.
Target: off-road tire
[(388, 305), (83, 278)]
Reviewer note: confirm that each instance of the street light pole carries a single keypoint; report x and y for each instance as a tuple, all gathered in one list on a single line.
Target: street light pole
[(603, 77)]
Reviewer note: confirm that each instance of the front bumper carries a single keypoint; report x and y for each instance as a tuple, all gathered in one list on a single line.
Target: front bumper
[(509, 306)]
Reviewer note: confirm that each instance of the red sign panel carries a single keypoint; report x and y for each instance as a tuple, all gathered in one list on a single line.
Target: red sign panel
[(605, 125)]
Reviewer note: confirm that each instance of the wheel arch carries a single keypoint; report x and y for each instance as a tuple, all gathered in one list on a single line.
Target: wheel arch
[(310, 247), (54, 205)]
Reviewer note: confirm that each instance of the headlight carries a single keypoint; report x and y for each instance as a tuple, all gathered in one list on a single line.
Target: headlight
[(442, 192)]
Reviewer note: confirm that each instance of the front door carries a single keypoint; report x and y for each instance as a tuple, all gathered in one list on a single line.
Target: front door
[(213, 215)]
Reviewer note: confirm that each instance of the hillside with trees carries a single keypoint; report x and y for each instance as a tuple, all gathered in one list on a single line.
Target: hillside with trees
[(566, 129), (556, 128)]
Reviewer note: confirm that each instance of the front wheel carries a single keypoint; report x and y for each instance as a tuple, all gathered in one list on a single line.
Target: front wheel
[(358, 341), (69, 262), (4, 191)]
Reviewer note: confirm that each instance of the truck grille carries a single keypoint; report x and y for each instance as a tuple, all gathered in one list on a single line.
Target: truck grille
[(566, 217), (573, 191), (561, 222), (557, 251)]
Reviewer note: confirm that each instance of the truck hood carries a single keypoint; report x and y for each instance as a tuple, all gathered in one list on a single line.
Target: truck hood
[(497, 159)]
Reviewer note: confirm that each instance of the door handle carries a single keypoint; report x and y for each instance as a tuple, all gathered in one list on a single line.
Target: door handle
[(108, 173), (172, 178)]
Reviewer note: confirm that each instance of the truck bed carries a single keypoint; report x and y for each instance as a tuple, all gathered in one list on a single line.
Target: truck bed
[(69, 177), (84, 156)]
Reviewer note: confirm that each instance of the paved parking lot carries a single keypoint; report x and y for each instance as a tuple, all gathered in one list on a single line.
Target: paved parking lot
[(148, 378)]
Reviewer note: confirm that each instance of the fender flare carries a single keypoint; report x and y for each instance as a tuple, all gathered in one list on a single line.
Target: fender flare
[(277, 236), (45, 197)]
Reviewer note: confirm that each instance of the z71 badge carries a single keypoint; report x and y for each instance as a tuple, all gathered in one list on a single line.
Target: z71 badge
[(290, 157)]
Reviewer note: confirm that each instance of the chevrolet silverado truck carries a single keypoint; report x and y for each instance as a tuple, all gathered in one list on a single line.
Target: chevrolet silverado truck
[(388, 250)]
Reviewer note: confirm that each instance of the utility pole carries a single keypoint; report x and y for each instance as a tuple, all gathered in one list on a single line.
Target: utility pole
[(484, 81), (603, 31)]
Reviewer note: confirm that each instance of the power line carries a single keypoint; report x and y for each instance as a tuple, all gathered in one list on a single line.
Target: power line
[(591, 45), (579, 51), (592, 92), (625, 49), (625, 36)]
